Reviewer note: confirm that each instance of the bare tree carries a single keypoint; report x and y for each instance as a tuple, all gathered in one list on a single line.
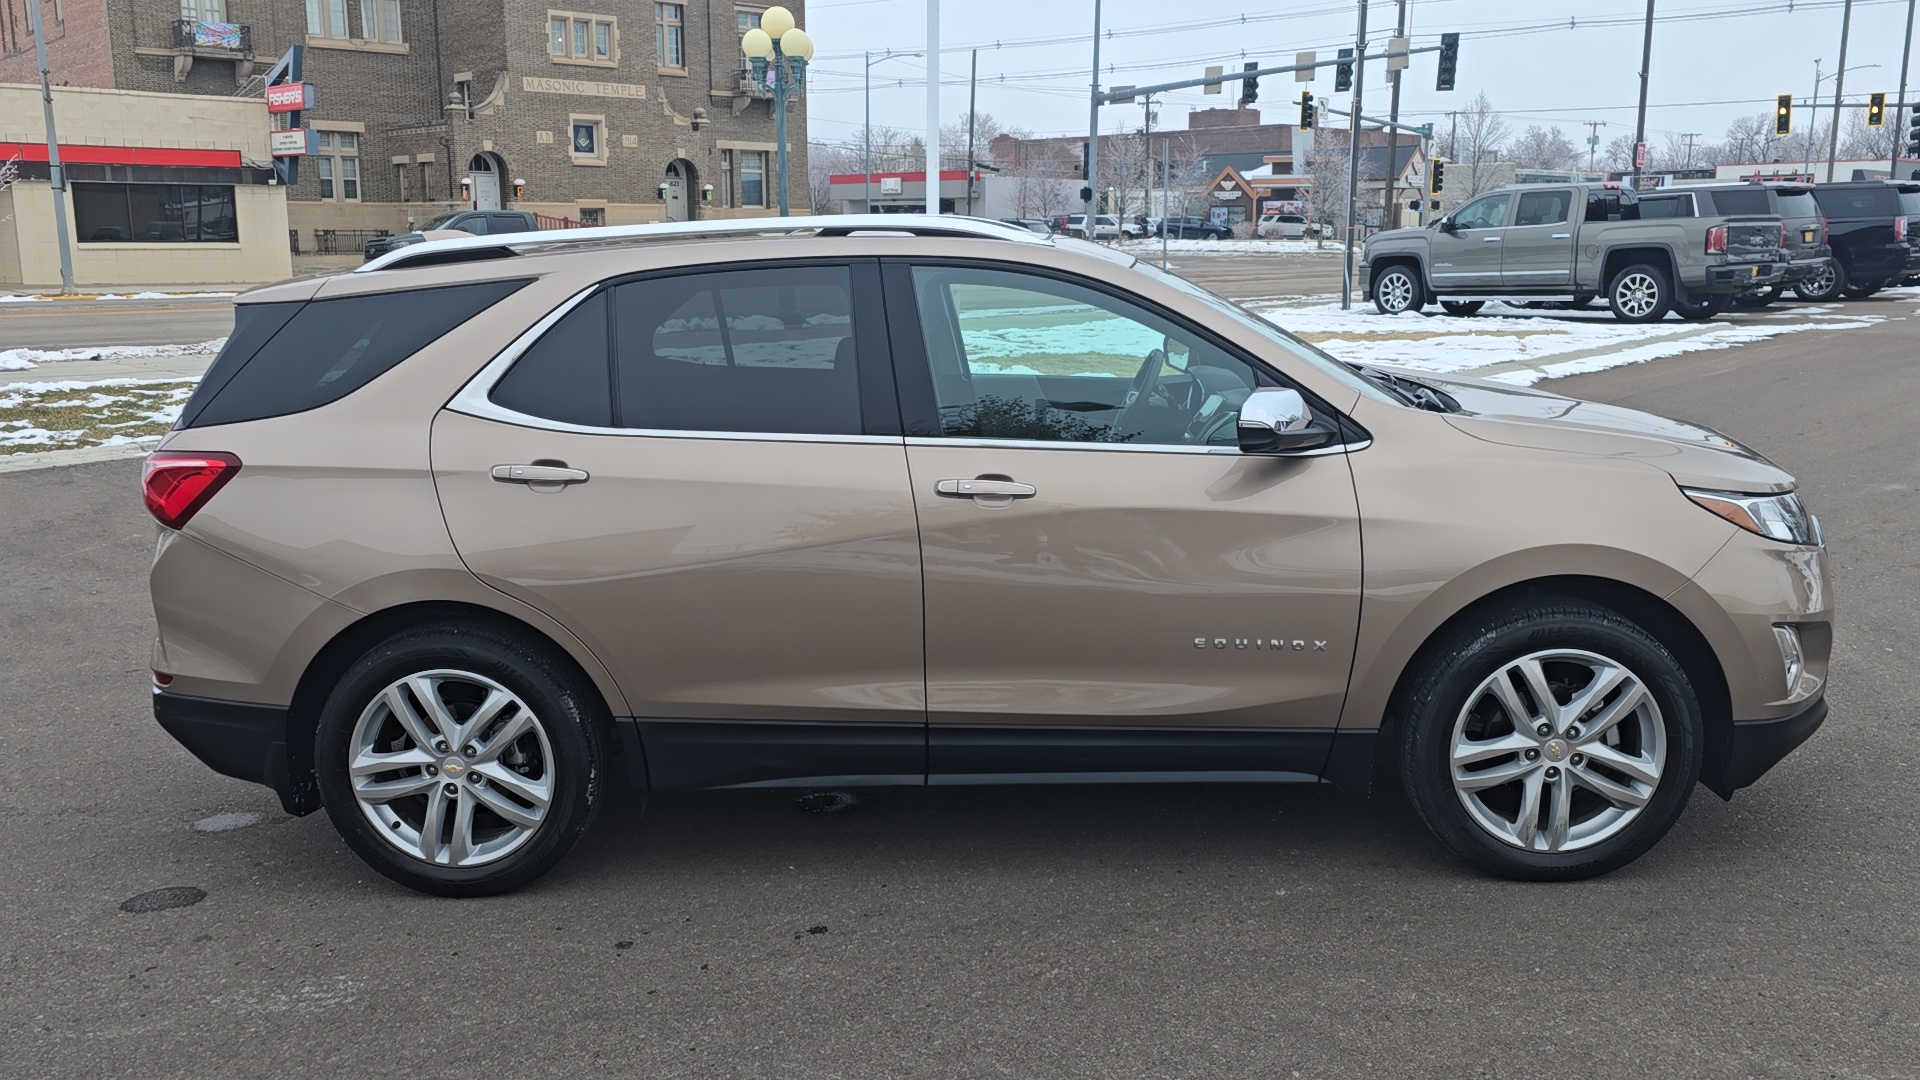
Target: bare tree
[(1858, 141), (824, 160), (1187, 179), (1475, 134), (953, 137), (1543, 148), (1327, 201), (1126, 167), (1750, 140)]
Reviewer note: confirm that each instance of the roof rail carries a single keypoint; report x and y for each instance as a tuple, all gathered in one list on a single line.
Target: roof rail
[(434, 252)]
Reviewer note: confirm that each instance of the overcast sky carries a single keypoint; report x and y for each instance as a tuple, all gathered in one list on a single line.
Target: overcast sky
[(1540, 61)]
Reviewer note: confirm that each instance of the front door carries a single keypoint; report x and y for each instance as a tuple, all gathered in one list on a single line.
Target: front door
[(1111, 586), (1467, 258), (485, 183), (701, 477), (1537, 249), (673, 190)]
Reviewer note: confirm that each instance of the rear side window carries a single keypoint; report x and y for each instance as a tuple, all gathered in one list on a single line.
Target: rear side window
[(1542, 208), (1668, 206), (330, 348), (1612, 205), (1730, 202), (1862, 202), (766, 350), (564, 376), (253, 326)]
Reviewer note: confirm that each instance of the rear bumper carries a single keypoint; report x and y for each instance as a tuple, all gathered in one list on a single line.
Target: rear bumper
[(1756, 746), (1744, 276), (1803, 268), (237, 739)]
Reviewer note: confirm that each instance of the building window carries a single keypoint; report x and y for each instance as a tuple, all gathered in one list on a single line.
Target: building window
[(670, 45), (426, 181), (574, 38), (745, 20), (380, 21), (327, 18), (213, 11), (753, 178), (726, 178), (400, 180), (593, 215), (338, 165), (587, 139), (154, 213)]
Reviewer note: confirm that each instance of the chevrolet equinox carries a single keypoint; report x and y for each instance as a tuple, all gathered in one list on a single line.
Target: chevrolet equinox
[(457, 543)]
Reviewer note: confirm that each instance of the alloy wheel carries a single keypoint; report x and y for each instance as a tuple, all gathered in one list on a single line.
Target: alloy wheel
[(451, 767), (1820, 282), (1637, 295), (1395, 291), (1557, 751)]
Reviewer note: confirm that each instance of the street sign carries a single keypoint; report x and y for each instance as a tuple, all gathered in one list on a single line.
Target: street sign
[(1213, 72), (1122, 95), (1397, 53), (289, 97), (293, 142), (1303, 61), (1639, 155)]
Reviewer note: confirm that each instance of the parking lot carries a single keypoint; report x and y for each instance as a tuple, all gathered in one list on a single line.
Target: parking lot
[(1080, 931)]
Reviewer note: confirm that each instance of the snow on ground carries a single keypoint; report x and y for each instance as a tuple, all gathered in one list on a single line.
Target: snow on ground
[(1522, 347), (77, 412), (26, 359), (1143, 248)]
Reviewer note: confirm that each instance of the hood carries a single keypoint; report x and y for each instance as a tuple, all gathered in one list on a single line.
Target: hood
[(1695, 456), (1390, 235)]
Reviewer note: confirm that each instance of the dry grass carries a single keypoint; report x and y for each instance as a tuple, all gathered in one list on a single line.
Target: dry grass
[(87, 416)]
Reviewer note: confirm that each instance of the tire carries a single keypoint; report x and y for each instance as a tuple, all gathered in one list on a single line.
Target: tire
[(1462, 308), (1640, 293), (1608, 816), (1707, 308), (1761, 298), (1396, 290), (482, 792), (1824, 284), (1861, 292)]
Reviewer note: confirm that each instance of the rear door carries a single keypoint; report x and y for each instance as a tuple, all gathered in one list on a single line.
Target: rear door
[(1468, 258), (701, 476), (1537, 249)]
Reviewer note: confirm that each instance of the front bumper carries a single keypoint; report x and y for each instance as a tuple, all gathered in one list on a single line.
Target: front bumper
[(237, 739), (1755, 746)]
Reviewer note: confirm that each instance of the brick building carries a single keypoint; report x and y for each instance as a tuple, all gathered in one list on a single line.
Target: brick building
[(613, 112)]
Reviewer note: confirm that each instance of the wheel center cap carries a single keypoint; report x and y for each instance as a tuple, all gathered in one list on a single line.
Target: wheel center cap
[(453, 766), (1556, 750)]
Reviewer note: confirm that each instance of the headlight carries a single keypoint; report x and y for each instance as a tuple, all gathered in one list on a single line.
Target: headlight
[(1776, 517)]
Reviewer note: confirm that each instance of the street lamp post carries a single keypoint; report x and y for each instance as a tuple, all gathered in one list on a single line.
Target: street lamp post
[(866, 156), (779, 51)]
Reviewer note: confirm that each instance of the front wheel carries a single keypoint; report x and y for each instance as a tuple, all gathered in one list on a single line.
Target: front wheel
[(1823, 284), (1462, 308), (1707, 308), (1396, 290), (1640, 293), (460, 760), (1549, 741)]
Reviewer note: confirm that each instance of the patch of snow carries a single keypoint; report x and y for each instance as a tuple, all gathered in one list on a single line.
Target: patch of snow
[(27, 359)]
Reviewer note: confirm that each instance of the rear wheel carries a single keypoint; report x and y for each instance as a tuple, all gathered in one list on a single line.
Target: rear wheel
[(1640, 293), (460, 760), (1395, 290), (1823, 284), (1551, 741), (1462, 308)]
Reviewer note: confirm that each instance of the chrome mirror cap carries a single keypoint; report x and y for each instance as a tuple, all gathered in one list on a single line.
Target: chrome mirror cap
[(1276, 420)]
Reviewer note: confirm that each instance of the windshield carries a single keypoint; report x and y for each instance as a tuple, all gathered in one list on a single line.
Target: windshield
[(1327, 365), (441, 221)]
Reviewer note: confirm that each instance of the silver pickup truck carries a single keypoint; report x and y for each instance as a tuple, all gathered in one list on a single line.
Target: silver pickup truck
[(1552, 244)]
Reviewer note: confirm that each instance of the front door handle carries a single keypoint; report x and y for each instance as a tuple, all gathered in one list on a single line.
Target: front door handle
[(1489, 239), (1563, 236), (541, 476), (992, 492)]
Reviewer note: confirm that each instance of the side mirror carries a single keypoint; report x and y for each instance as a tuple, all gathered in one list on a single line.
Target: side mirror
[(1447, 226), (1277, 421)]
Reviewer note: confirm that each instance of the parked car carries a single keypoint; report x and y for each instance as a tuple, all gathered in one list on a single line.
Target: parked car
[(1196, 228), (1035, 225), (458, 549), (1867, 228), (454, 223), (1910, 203), (1288, 227), (1803, 232), (1105, 227), (1570, 243)]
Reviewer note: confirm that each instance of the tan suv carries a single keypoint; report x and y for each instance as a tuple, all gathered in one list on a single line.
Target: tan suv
[(455, 543)]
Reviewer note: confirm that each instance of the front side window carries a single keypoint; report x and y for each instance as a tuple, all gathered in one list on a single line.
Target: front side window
[(768, 351), (1021, 356), (669, 48), (1487, 213), (753, 178), (1543, 208)]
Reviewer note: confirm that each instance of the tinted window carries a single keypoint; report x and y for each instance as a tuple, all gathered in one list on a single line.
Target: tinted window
[(745, 350), (1019, 356), (472, 223), (506, 223), (1799, 205), (1668, 206), (253, 326), (1729, 202), (331, 348), (565, 375), (1543, 208), (1910, 202), (1610, 205), (1858, 202)]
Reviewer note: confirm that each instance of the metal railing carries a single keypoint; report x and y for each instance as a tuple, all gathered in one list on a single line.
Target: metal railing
[(334, 241), (545, 222), (200, 34)]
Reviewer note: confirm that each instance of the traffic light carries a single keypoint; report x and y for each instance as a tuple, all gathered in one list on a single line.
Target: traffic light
[(1249, 84), (1913, 135), (1438, 176), (1449, 59), (1343, 73), (1876, 110), (1307, 111), (1783, 115)]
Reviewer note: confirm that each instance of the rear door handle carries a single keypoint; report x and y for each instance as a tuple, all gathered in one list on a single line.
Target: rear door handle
[(542, 477), (991, 492), (1563, 236), (1489, 239)]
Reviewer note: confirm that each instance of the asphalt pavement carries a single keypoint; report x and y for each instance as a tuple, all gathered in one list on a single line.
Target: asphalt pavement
[(61, 324), (1101, 932)]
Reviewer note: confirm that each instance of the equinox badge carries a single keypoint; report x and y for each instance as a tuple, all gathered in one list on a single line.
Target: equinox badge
[(1274, 644)]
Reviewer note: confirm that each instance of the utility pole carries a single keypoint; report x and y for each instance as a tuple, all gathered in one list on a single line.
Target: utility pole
[(55, 171), (1093, 131), (1166, 182), (1146, 138), (1813, 102), (933, 108), (973, 91), (1593, 141), (1839, 83), (1906, 52), (1689, 136), (1453, 136), (1640, 121), (1353, 156), (1390, 204)]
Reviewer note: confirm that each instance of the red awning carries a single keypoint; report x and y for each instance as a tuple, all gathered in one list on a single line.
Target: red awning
[(124, 155)]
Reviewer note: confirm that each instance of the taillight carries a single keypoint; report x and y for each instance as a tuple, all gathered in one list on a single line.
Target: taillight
[(1823, 230), (1899, 230), (1783, 234), (179, 483), (1717, 240)]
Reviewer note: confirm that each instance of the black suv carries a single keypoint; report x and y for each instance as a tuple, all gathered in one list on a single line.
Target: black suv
[(1910, 203), (1194, 228), (1867, 227)]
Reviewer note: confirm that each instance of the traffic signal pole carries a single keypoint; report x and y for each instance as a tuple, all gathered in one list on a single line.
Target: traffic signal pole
[(1839, 82), (1640, 123), (1353, 156), (1906, 53), (1390, 214)]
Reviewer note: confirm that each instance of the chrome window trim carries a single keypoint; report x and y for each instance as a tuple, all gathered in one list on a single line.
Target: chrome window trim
[(473, 398), (1128, 448)]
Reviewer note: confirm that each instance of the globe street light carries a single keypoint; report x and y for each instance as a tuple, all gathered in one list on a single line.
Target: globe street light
[(779, 51), (867, 158)]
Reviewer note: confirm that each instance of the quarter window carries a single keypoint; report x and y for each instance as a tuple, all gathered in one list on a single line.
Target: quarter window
[(747, 350), (1019, 356), (564, 376)]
